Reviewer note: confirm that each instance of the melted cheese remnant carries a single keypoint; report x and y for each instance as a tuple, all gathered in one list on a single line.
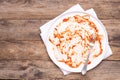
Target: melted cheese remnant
[(71, 38)]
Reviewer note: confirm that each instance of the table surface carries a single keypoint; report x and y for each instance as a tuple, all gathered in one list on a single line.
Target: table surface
[(22, 52)]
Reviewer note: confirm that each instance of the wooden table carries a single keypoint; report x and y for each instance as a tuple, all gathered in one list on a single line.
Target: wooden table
[(22, 52)]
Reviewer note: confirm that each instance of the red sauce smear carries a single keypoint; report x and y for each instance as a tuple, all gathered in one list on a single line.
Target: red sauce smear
[(79, 19), (65, 20)]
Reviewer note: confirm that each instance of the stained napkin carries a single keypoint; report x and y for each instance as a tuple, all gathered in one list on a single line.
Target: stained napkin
[(45, 29)]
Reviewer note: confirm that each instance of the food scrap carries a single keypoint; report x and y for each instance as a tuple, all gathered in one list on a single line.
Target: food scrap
[(71, 38)]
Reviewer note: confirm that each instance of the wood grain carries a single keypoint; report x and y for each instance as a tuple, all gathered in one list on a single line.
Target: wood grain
[(20, 29), (20, 39), (29, 29), (23, 55), (22, 50), (45, 9), (46, 70)]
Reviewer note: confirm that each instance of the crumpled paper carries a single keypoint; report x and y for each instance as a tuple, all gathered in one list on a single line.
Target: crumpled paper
[(44, 29)]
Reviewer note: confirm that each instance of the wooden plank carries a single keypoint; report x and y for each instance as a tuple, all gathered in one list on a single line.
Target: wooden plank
[(44, 9), (46, 70), (22, 50), (20, 29), (29, 29), (19, 39)]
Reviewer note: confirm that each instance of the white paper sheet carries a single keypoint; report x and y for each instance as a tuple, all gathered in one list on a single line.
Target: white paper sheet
[(44, 29)]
